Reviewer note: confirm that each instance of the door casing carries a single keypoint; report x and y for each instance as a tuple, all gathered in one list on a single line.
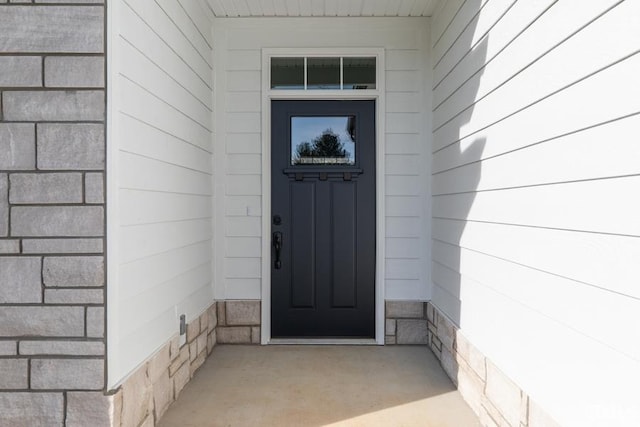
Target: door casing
[(378, 95)]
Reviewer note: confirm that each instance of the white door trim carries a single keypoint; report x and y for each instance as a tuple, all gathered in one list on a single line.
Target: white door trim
[(379, 96)]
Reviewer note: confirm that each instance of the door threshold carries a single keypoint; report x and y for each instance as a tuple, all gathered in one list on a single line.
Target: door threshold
[(322, 341)]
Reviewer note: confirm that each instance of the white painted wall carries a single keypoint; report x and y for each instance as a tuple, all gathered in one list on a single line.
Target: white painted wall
[(536, 196), (238, 175), (160, 175)]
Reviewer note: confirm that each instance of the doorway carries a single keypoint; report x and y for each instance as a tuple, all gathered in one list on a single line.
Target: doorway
[(323, 218)]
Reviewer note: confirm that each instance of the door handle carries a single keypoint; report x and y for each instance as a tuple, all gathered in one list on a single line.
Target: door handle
[(277, 244)]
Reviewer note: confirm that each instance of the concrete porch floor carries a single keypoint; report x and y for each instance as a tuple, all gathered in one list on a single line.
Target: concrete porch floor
[(319, 386)]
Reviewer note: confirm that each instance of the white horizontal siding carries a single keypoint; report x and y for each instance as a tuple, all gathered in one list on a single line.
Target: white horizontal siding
[(162, 79), (239, 53), (535, 221)]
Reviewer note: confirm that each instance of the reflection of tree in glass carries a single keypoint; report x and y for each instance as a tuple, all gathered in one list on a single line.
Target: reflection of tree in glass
[(327, 145)]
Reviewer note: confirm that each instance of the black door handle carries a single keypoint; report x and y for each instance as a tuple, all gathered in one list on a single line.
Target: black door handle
[(277, 244)]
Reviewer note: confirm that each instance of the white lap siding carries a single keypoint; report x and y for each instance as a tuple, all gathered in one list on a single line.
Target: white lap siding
[(161, 227), (536, 172)]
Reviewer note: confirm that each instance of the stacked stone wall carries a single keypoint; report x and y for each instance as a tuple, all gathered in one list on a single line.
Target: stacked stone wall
[(405, 322), (238, 322), (52, 212), (494, 397), (147, 394)]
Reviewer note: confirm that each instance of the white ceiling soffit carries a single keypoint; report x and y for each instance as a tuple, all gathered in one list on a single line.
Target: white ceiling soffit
[(293, 8)]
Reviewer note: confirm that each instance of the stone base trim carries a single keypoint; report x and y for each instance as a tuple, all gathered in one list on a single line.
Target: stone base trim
[(238, 322), (494, 397), (146, 395), (405, 322)]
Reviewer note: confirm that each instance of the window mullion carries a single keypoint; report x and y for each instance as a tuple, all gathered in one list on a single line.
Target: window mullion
[(305, 73)]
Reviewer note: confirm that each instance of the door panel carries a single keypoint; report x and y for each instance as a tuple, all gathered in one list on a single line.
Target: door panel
[(323, 216)]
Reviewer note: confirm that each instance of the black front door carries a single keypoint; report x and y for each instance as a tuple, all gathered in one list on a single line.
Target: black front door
[(323, 219)]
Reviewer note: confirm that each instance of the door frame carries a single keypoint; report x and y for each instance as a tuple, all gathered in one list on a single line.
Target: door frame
[(378, 95)]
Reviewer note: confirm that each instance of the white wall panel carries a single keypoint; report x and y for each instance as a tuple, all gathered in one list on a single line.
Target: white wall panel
[(592, 153), (535, 219), (160, 188), (156, 18), (239, 57), (134, 30), (466, 29), (598, 260), (445, 15), (511, 48)]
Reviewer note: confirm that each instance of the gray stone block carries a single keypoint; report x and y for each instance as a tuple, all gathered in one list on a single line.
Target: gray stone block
[(9, 246), (411, 331), (162, 394), (243, 313), (390, 327), (62, 348), (213, 317), (8, 348), (181, 357), (73, 296), (180, 379), (71, 146), (88, 408), (32, 188), (4, 205), (159, 362), (255, 335), (404, 309), (20, 280), (95, 322), (20, 71), (82, 271), (32, 409), (221, 315), (504, 394), (234, 334), (78, 374), (41, 321), (62, 246), (445, 331), (52, 29), (17, 146), (53, 105), (471, 355), (57, 221), (13, 374), (137, 400), (94, 188), (193, 330), (74, 71), (201, 342)]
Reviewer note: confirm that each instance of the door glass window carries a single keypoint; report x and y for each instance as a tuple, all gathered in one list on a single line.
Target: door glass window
[(323, 140)]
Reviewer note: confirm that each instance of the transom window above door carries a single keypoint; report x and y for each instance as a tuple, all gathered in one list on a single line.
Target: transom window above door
[(323, 73)]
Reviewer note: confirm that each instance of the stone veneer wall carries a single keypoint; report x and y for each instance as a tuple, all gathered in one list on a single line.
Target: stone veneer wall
[(405, 322), (52, 217), (238, 322), (494, 397), (147, 394)]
